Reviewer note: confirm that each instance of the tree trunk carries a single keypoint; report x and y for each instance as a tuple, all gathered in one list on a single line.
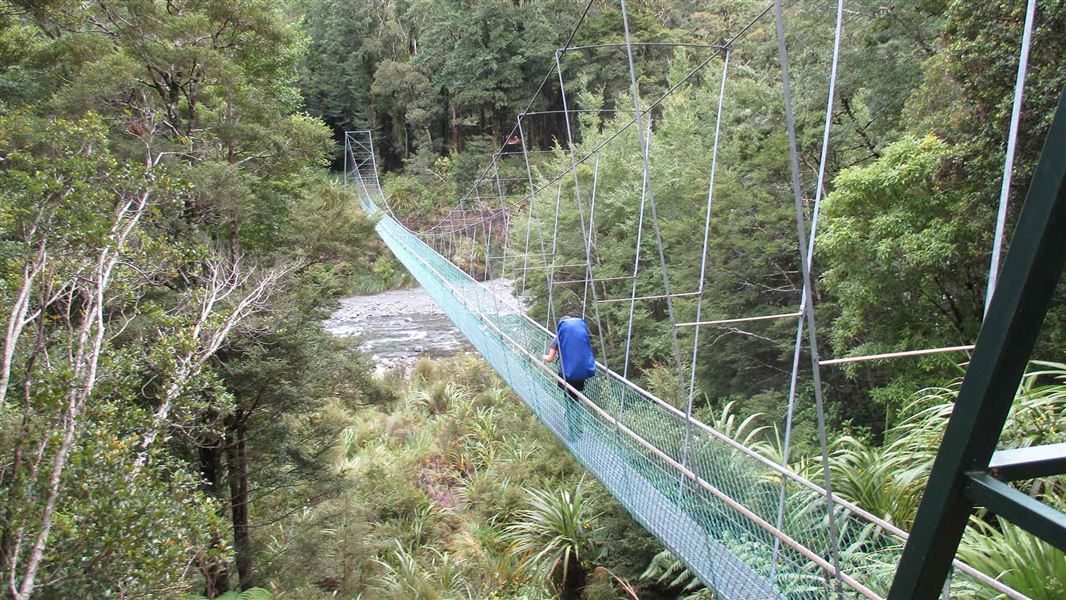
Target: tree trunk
[(237, 460), (216, 574), (574, 582), (455, 127)]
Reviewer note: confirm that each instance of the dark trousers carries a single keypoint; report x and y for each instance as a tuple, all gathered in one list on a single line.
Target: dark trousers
[(573, 412), (578, 385)]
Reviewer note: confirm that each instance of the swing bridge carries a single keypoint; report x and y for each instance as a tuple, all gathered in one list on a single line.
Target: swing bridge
[(749, 527)]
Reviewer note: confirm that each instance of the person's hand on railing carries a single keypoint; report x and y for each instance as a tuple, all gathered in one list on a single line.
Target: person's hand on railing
[(550, 356)]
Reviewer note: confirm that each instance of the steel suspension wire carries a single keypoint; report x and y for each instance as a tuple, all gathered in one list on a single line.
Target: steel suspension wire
[(554, 254), (812, 336), (532, 200), (473, 247), (703, 260), (1008, 162), (506, 243), (577, 187), (645, 142), (809, 257), (488, 252), (670, 44), (503, 245), (586, 232), (636, 271), (590, 280)]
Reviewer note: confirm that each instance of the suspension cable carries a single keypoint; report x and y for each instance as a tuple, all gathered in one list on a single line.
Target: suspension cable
[(1008, 162), (703, 262), (808, 301)]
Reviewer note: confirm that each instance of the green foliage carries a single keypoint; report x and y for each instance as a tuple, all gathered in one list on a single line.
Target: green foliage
[(726, 421), (194, 451), (439, 397), (1015, 557), (249, 594), (556, 536), (437, 487), (116, 526), (668, 571), (602, 586), (170, 249), (897, 235), (114, 514), (405, 578), (902, 253), (889, 480), (434, 77), (626, 550)]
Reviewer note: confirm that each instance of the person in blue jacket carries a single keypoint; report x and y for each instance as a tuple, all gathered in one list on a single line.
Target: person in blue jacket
[(577, 363)]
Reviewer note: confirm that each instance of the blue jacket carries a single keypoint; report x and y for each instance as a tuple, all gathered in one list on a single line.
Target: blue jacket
[(576, 359)]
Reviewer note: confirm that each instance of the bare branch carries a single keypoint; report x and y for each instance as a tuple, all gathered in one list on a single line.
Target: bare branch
[(223, 280)]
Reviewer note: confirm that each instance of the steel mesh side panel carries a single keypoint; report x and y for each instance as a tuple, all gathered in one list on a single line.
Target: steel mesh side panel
[(729, 552)]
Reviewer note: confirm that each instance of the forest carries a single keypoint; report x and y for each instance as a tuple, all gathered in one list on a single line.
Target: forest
[(177, 423)]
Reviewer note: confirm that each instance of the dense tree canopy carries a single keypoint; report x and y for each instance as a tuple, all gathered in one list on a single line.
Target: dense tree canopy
[(175, 421), (159, 191)]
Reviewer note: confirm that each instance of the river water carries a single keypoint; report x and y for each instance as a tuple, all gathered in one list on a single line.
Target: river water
[(398, 327)]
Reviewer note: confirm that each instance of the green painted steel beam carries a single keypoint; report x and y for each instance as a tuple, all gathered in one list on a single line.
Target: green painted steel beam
[(1019, 304), (1029, 463), (1021, 509)]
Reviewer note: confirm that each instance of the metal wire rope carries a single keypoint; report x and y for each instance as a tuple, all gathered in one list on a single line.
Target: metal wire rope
[(703, 259), (812, 336), (1008, 161)]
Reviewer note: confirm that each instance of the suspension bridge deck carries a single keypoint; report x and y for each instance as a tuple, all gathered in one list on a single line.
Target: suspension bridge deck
[(747, 527)]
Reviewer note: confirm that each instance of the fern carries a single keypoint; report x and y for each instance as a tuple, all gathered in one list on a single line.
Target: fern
[(667, 570)]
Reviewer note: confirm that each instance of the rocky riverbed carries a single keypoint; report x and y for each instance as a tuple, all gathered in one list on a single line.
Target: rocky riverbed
[(398, 327)]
